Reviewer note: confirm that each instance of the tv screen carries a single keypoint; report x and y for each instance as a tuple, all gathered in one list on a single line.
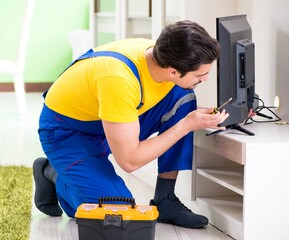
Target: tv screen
[(235, 68)]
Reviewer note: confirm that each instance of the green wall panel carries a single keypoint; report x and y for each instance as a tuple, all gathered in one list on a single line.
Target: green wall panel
[(49, 51)]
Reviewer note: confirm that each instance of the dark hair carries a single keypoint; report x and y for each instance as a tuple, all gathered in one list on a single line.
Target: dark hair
[(185, 46)]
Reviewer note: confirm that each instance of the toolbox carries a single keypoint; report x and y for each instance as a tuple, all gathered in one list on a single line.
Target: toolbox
[(116, 220)]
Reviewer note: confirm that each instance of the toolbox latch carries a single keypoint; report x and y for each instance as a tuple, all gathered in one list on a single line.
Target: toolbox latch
[(112, 220)]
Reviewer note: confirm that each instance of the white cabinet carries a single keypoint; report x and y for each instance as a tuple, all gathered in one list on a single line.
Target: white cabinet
[(240, 182), (129, 19)]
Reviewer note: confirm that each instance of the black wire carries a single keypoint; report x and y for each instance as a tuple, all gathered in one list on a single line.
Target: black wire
[(258, 109)]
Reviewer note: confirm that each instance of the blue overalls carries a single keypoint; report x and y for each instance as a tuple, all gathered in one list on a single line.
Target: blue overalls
[(78, 150)]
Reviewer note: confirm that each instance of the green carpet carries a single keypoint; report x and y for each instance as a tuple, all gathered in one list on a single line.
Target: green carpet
[(15, 202)]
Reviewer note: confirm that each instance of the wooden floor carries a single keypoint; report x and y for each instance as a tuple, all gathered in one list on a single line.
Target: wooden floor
[(20, 146)]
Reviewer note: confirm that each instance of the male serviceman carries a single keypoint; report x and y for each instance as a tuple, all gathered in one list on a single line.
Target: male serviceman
[(111, 101)]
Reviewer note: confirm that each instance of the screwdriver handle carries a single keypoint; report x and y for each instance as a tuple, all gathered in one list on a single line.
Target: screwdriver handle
[(215, 110)]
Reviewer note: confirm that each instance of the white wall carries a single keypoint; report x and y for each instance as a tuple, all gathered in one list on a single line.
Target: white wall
[(270, 24), (205, 13)]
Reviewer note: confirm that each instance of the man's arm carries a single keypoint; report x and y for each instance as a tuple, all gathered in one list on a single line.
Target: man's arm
[(131, 154)]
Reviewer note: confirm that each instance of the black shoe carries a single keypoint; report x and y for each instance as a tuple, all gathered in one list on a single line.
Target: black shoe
[(172, 211), (45, 193)]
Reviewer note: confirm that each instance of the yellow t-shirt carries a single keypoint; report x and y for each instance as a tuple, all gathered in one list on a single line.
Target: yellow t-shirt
[(105, 88)]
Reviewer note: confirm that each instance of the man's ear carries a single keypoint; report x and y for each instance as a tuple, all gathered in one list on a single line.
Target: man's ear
[(173, 73)]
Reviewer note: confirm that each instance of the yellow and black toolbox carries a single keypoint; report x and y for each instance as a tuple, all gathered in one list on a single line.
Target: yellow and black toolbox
[(120, 221)]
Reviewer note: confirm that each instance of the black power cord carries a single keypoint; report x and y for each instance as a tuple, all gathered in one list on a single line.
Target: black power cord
[(257, 112)]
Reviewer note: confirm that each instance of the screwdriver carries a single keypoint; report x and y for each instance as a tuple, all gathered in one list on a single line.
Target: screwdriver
[(223, 105)]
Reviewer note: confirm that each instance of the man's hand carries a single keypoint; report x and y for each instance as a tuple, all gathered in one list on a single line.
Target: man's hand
[(251, 113), (202, 118)]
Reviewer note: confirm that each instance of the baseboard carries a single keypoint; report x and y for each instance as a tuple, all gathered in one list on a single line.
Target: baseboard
[(29, 87)]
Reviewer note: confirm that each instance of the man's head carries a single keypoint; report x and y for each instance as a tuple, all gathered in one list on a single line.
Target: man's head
[(185, 46)]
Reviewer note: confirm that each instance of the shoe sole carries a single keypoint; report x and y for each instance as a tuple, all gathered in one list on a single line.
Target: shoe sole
[(51, 209), (163, 220), (166, 220)]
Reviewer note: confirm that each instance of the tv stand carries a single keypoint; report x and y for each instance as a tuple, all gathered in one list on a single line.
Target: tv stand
[(241, 183), (233, 126)]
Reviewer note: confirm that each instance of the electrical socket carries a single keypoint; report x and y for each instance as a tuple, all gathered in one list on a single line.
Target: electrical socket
[(277, 102)]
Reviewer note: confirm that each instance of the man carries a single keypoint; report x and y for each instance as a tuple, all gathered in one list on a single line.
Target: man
[(111, 101)]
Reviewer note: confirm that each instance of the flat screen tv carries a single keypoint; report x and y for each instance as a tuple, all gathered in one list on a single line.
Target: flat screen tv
[(236, 69)]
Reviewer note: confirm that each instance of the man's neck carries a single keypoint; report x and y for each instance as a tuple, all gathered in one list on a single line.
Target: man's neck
[(157, 73)]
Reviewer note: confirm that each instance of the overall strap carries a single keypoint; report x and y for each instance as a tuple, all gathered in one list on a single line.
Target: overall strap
[(121, 57)]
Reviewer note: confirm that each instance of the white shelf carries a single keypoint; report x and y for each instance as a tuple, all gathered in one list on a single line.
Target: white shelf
[(130, 18), (140, 18), (138, 26), (105, 22), (105, 14), (228, 207), (230, 177), (171, 19), (224, 161)]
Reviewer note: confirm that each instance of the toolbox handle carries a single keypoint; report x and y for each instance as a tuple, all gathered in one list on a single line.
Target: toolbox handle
[(116, 199)]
